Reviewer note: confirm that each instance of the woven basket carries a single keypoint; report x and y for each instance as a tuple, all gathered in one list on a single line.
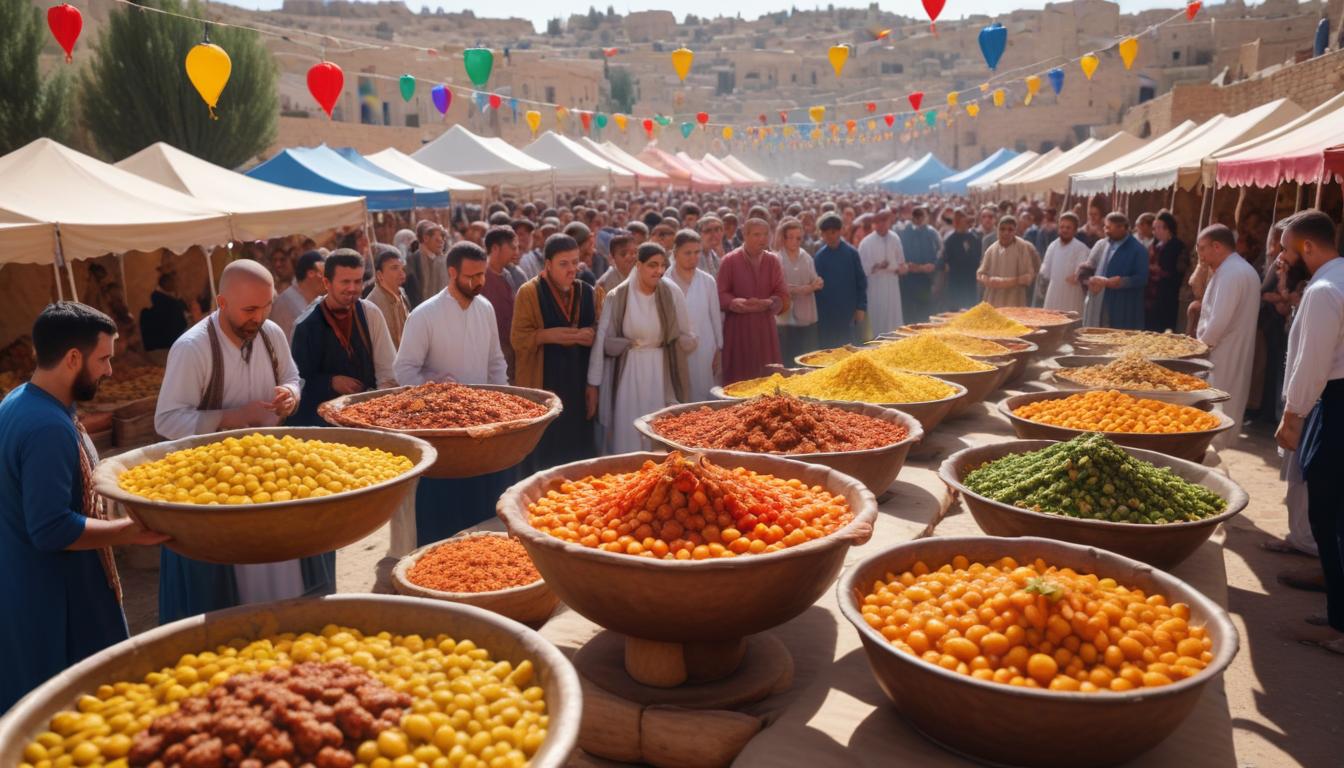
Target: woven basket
[(133, 425)]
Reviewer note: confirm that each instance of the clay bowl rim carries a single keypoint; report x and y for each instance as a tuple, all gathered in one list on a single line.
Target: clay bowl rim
[(1203, 395), (513, 511), (959, 392), (798, 359), (549, 400), (1234, 506), (564, 727), (107, 473), (404, 564), (1204, 365), (1006, 406), (1080, 337), (914, 329), (1030, 348), (998, 361), (1216, 614), (914, 431), (1070, 317)]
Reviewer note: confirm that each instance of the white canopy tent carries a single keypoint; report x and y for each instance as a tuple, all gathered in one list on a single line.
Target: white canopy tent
[(738, 178), (490, 162), (733, 162), (406, 167), (989, 183), (258, 210), (1054, 177), (95, 208), (1180, 165), (799, 180), (644, 172), (1101, 180), (575, 165)]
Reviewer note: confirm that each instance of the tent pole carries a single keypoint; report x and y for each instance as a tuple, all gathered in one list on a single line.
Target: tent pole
[(56, 273), (70, 268), (1297, 202), (210, 274), (1174, 187), (1320, 185), (1213, 199)]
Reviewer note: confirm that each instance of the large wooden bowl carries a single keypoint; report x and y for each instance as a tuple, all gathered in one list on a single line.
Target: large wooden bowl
[(978, 384), (1082, 345), (1192, 365), (1191, 446), (1034, 335), (876, 468), (929, 413), (1021, 353), (689, 601), (1056, 333), (162, 647), (465, 451), (1010, 725), (231, 534), (1163, 546), (1198, 398), (530, 604), (802, 360)]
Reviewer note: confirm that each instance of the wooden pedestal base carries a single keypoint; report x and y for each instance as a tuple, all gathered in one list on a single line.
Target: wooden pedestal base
[(690, 725)]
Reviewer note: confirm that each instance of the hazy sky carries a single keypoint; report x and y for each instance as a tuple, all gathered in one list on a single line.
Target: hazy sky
[(541, 10)]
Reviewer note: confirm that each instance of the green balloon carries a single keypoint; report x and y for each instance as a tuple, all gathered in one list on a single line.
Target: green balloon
[(601, 120), (931, 117), (662, 120), (479, 62), (407, 84)]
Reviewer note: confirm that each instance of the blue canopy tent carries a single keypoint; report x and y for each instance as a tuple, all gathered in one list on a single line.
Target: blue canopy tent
[(916, 177), (424, 197), (319, 169), (958, 184)]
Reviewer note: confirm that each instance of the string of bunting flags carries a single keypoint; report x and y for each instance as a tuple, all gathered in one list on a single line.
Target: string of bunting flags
[(208, 67)]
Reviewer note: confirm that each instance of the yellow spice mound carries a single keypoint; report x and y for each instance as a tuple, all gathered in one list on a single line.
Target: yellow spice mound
[(824, 357), (856, 378), (969, 345), (983, 317), (925, 354)]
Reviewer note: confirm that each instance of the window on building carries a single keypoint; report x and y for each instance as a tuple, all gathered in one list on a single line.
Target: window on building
[(1146, 130), (412, 120), (814, 78), (1175, 55), (892, 68), (550, 94)]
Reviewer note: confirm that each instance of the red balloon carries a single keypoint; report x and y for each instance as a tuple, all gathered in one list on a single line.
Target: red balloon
[(916, 98), (587, 119), (1192, 10), (871, 106), (495, 101), (648, 125), (325, 81), (762, 118), (889, 119), (66, 23), (783, 116), (609, 52), (702, 117), (933, 8)]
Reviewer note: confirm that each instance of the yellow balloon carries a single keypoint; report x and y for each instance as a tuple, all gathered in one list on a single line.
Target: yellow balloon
[(952, 99), (681, 62), (816, 134), (816, 113), (838, 55), (984, 87), (728, 132), (208, 68), (872, 125), (1129, 48), (1033, 85), (1089, 64), (533, 120), (620, 121), (998, 97), (972, 109)]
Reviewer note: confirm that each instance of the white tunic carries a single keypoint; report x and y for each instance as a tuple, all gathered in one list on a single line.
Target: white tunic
[(1316, 340), (1227, 321), (702, 306), (443, 341), (178, 415), (1061, 262), (288, 307), (642, 388), (884, 284)]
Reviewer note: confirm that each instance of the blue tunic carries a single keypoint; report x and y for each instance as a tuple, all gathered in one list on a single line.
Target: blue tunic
[(844, 291), (57, 605), (1123, 307), (921, 245)]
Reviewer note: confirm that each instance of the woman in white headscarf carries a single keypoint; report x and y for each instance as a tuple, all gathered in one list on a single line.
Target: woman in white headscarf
[(403, 240)]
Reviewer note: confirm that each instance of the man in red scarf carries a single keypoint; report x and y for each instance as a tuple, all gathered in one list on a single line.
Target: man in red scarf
[(342, 345)]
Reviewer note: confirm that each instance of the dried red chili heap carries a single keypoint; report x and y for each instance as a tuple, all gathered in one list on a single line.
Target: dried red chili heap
[(474, 564), (779, 424), (313, 713), (441, 406), (688, 509)]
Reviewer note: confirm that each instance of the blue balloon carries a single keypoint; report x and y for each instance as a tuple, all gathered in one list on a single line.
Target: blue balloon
[(1056, 76), (481, 99), (1322, 37), (686, 129), (513, 105), (993, 42)]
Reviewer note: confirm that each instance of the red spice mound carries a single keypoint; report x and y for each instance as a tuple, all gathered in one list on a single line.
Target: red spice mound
[(779, 424), (474, 564), (313, 713), (441, 406)]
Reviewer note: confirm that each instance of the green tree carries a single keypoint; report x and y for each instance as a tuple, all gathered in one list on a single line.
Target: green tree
[(31, 106), (622, 90), (136, 91)]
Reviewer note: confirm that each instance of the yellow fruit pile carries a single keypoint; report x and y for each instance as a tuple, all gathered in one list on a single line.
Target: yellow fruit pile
[(258, 468), (1037, 626), (1112, 411), (468, 709)]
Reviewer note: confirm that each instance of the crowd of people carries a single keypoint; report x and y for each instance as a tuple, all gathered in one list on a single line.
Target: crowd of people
[(622, 306)]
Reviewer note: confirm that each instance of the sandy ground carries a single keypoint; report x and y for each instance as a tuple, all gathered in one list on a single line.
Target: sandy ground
[(1286, 700)]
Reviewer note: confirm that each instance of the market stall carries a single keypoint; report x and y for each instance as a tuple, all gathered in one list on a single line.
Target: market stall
[(958, 183), (644, 173), (1101, 180), (1053, 178), (988, 184), (916, 177), (322, 169), (403, 165), (426, 196), (464, 155), (577, 166)]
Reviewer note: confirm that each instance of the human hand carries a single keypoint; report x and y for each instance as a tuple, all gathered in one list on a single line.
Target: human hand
[(1096, 284), (346, 385), (860, 316), (1113, 282), (134, 532), (1071, 279), (584, 337), (1289, 433), (740, 304), (283, 403)]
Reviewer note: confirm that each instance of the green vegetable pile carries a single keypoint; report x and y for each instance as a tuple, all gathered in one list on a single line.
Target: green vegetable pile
[(1091, 477)]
